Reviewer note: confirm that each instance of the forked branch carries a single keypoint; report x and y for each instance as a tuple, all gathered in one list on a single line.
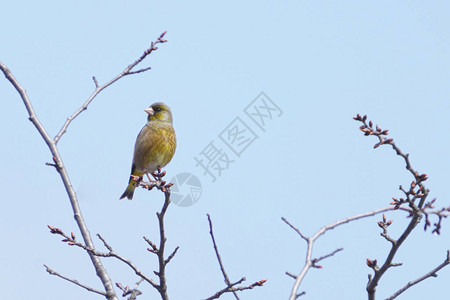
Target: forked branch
[(110, 293), (415, 197), (231, 286)]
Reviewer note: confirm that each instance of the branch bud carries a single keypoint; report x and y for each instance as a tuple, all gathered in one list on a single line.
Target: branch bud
[(423, 177)]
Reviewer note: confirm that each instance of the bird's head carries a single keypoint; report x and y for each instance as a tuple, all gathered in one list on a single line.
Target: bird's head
[(159, 112)]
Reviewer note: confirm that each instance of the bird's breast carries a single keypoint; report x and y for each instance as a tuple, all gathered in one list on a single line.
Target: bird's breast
[(155, 146)]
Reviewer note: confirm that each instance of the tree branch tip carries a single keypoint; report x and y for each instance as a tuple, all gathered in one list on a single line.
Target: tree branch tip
[(290, 274), (95, 81), (169, 258), (107, 246), (396, 264), (54, 230), (372, 264), (258, 283), (49, 270), (300, 294), (138, 71)]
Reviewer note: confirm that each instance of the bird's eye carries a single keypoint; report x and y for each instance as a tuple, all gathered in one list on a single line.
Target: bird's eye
[(158, 109)]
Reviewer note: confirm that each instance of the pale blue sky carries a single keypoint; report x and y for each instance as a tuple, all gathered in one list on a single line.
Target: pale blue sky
[(321, 62)]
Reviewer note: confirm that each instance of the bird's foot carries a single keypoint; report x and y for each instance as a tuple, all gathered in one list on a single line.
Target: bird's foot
[(136, 179), (158, 175)]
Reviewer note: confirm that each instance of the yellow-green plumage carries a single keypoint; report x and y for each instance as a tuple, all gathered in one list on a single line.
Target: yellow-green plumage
[(155, 145)]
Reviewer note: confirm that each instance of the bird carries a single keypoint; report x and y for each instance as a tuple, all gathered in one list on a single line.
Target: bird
[(155, 145)]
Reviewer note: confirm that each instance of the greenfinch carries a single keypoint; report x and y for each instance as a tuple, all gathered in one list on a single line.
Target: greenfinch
[(155, 145)]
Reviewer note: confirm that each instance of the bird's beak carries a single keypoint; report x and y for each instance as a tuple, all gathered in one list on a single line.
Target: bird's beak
[(150, 111)]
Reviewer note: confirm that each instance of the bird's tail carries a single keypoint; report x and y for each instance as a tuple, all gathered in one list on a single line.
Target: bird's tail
[(130, 190)]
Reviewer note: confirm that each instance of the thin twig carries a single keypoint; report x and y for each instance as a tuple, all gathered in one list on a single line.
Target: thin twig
[(134, 293), (58, 162), (432, 273), (219, 259), (71, 241), (233, 289), (59, 165), (52, 272), (230, 286), (161, 185), (291, 275), (99, 88), (162, 288), (310, 242), (417, 191), (295, 229), (316, 260), (169, 258)]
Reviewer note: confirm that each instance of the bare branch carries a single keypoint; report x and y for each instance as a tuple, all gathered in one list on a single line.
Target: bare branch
[(99, 88), (295, 229), (309, 262), (162, 286), (432, 273), (233, 289), (300, 294), (104, 242), (416, 193), (230, 286), (316, 260), (71, 241), (139, 71), (134, 293), (161, 185), (224, 273), (291, 275), (162, 289), (58, 162), (59, 166), (23, 94), (52, 272), (169, 258), (388, 238), (350, 219), (440, 213)]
